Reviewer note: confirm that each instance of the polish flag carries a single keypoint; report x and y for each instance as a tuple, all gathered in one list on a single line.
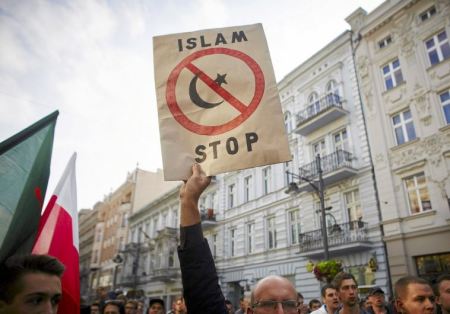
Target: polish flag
[(58, 236)]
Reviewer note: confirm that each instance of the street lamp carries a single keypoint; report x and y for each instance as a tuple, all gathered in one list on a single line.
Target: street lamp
[(117, 260), (319, 187)]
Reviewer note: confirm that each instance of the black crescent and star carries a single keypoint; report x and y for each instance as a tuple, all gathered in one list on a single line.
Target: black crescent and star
[(195, 97)]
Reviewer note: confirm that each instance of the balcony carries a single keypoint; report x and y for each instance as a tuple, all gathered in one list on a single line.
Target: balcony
[(208, 218), (317, 115), (342, 239), (165, 274), (335, 167)]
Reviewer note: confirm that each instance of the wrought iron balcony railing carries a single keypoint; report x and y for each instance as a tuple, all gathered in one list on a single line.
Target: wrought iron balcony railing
[(328, 101), (329, 163), (338, 234)]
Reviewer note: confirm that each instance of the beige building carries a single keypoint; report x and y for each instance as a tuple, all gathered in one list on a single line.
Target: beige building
[(403, 64), (87, 219), (111, 229)]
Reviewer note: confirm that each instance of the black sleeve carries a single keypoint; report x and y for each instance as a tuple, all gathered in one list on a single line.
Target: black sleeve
[(201, 289)]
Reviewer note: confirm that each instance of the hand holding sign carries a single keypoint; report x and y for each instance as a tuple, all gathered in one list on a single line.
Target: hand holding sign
[(214, 103)]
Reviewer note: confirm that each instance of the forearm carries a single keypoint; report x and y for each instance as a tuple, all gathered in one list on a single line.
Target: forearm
[(190, 214)]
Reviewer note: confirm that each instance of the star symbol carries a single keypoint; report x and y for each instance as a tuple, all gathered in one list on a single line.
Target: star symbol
[(220, 79)]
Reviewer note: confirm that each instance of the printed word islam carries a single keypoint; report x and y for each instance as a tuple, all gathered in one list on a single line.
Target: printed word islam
[(220, 39)]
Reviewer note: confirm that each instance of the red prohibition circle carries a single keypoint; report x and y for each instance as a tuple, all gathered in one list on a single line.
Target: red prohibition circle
[(246, 111)]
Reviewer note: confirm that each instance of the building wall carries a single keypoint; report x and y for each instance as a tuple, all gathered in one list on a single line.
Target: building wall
[(111, 231), (86, 228), (398, 31)]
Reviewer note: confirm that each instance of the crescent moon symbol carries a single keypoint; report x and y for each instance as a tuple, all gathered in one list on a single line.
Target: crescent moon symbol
[(193, 94)]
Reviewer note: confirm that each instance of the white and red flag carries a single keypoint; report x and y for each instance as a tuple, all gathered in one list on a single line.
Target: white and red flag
[(58, 236)]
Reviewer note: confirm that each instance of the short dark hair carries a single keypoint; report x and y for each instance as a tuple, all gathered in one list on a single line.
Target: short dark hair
[(299, 295), (228, 302), (15, 267), (323, 290), (117, 303), (439, 280), (156, 300), (340, 277), (313, 301), (402, 284)]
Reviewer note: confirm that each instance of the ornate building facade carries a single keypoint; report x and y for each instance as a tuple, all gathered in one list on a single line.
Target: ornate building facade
[(403, 63)]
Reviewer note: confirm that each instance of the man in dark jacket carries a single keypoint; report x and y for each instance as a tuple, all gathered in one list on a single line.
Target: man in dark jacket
[(200, 282), (201, 288)]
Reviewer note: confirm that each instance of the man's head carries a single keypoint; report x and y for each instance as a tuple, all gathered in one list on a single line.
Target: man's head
[(180, 307), (269, 292), (413, 295), (376, 297), (156, 306), (113, 307), (314, 304), (347, 289), (140, 308), (243, 303), (131, 307), (95, 308), (442, 291), (30, 284), (330, 297)]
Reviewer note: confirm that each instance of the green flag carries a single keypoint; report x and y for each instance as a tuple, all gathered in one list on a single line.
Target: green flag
[(24, 171)]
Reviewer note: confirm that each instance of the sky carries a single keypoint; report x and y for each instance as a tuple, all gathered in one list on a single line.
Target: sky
[(93, 61)]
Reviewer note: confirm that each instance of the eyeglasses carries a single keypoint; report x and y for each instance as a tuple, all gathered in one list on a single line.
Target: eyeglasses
[(268, 306)]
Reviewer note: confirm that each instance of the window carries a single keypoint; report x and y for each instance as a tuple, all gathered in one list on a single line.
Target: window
[(250, 236), (445, 102), (232, 242), (266, 180), (430, 267), (175, 218), (155, 226), (288, 122), (271, 233), (319, 148), (427, 14), (231, 196), (332, 93), (171, 261), (212, 203), (392, 74), (341, 140), (403, 127), (288, 177), (313, 104), (438, 48), (247, 188), (353, 204), (294, 225), (385, 41), (202, 202), (419, 199)]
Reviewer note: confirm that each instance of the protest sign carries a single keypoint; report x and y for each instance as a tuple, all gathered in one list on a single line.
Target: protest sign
[(218, 102)]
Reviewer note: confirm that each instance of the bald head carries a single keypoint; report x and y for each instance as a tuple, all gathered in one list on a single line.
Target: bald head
[(275, 288)]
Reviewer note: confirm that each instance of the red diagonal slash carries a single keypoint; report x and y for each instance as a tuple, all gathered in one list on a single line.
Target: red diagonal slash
[(236, 103)]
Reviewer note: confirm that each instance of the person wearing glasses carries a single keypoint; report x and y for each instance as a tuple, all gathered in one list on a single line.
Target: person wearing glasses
[(202, 293)]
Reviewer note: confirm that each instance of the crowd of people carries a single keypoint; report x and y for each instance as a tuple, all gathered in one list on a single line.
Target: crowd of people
[(31, 284)]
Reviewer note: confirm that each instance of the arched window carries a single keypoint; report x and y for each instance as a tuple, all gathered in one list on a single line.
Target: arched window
[(332, 93), (288, 122), (314, 104)]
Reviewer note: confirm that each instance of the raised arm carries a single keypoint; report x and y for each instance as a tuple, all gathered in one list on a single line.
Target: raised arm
[(201, 290)]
